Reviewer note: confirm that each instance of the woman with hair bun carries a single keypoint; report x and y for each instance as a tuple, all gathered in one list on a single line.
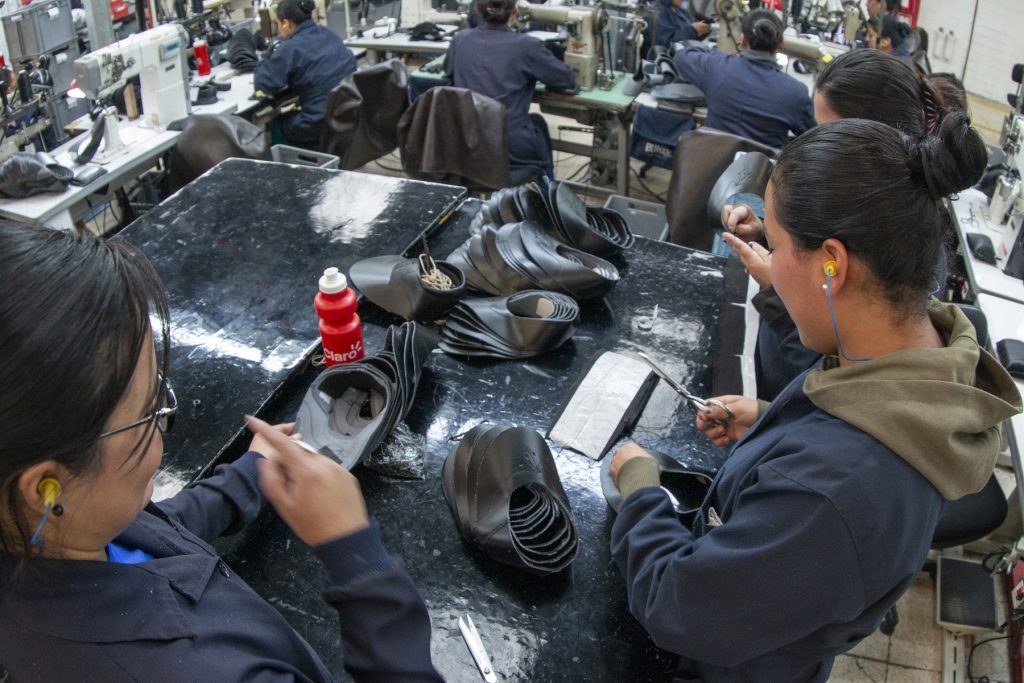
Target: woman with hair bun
[(824, 513), (494, 60), (892, 39), (747, 94), (309, 62), (867, 84)]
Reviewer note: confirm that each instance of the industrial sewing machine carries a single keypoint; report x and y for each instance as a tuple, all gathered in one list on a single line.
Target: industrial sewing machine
[(1005, 211), (585, 46), (158, 58)]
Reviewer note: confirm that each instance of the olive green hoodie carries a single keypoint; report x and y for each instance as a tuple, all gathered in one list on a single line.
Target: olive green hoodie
[(941, 410)]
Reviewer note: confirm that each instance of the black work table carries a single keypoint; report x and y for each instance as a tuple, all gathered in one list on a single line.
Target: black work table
[(572, 626)]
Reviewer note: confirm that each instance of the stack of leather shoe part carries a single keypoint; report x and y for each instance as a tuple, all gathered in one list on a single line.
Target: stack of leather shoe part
[(397, 285), (504, 492), (350, 409), (562, 214), (686, 488), (521, 256), (522, 325)]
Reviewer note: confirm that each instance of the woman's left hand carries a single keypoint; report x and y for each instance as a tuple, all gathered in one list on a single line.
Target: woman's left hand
[(624, 454)]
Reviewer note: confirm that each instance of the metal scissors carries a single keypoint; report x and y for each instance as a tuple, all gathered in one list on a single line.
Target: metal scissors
[(695, 401), (476, 648)]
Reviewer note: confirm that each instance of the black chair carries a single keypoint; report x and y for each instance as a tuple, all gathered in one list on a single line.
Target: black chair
[(974, 516)]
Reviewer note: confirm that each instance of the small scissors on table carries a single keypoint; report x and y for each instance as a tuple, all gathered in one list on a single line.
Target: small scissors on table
[(476, 648), (695, 401)]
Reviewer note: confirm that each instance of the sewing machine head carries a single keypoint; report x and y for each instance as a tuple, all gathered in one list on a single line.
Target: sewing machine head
[(584, 24), (157, 56)]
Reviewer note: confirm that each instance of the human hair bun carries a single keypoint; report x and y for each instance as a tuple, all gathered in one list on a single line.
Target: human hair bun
[(496, 11), (951, 160), (763, 30), (307, 7)]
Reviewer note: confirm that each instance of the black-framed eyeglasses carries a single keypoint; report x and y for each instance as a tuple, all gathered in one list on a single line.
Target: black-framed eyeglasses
[(167, 406)]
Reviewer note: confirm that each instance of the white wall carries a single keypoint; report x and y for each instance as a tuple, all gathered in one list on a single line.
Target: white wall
[(995, 45)]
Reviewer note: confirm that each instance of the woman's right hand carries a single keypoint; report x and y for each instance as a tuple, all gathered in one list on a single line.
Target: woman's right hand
[(756, 259), (314, 495), (740, 220), (719, 427)]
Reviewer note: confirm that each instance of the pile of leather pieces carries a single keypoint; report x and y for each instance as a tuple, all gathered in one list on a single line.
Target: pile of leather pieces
[(504, 492), (520, 256), (397, 285), (522, 325), (350, 409), (561, 214)]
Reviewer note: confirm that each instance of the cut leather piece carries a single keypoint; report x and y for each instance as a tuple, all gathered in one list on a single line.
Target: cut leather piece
[(522, 325), (747, 174), (522, 256), (503, 489), (686, 487), (394, 284), (350, 409)]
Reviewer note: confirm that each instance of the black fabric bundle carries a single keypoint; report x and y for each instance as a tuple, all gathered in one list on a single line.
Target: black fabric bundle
[(504, 492), (242, 51), (522, 325), (25, 174), (562, 214), (521, 256), (350, 409)]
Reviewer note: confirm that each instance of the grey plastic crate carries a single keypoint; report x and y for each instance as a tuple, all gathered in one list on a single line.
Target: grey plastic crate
[(39, 28), (644, 218), (287, 154)]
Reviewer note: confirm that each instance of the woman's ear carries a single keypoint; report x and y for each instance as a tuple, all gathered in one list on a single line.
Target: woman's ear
[(31, 488), (835, 263)]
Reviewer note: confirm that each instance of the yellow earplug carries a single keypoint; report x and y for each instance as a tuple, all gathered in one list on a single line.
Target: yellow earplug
[(49, 489), (831, 268)]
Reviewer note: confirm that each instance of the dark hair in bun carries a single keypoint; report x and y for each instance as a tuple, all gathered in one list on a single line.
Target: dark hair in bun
[(763, 30), (879, 192), (892, 28), (295, 11), (495, 11)]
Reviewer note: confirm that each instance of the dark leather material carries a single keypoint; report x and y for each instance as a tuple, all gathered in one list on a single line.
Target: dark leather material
[(350, 409), (683, 93), (562, 215), (242, 51), (1011, 355), (208, 139), (522, 256), (503, 489), (700, 158), (455, 136), (25, 174), (363, 112), (522, 325), (687, 487), (394, 284), (981, 247), (747, 175)]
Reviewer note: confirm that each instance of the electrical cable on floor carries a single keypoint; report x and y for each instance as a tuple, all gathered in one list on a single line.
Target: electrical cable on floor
[(663, 198), (970, 657)]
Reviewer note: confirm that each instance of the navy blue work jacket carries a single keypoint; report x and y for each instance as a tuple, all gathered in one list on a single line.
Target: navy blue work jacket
[(822, 528), (674, 25), (748, 95), (186, 616), (309, 64), (494, 60)]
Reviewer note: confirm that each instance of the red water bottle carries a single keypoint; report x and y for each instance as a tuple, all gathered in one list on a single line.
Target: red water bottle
[(340, 329)]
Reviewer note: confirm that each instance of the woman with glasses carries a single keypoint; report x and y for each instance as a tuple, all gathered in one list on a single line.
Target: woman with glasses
[(98, 582)]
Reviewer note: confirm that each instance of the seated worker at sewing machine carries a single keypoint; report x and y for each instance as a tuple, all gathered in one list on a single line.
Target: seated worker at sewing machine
[(747, 94), (861, 84), (494, 60), (96, 580), (893, 37), (675, 24), (309, 62), (824, 512)]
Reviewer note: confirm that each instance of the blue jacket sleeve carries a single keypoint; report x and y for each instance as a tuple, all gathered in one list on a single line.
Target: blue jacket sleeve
[(385, 628), (694, 63), (784, 551), (273, 74), (220, 504), (548, 69)]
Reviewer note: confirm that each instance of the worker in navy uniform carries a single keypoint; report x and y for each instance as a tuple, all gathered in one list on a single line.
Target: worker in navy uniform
[(309, 62), (495, 61), (747, 94), (675, 24)]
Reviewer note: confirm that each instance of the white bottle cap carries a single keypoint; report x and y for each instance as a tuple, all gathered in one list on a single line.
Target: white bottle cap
[(332, 281)]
